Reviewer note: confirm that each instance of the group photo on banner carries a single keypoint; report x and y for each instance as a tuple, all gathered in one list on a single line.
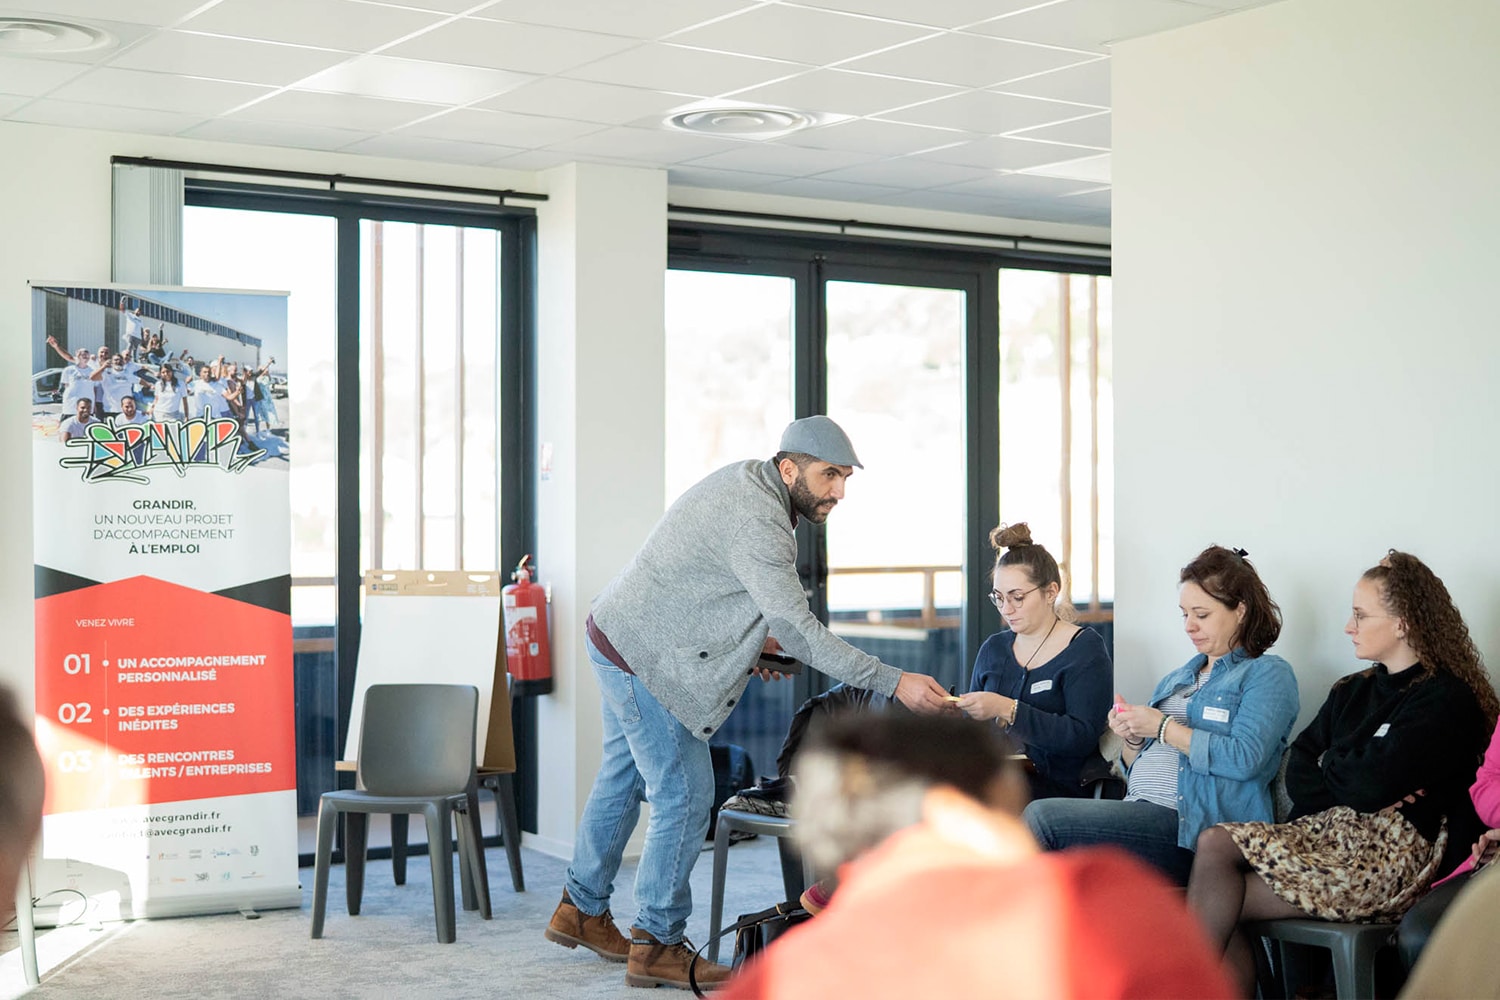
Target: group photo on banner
[(162, 548)]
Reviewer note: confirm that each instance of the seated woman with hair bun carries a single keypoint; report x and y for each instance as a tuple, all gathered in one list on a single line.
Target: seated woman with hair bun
[(1046, 680), (1204, 748), (1378, 780)]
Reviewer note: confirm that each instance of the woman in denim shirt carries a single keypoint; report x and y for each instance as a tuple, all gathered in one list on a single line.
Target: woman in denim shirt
[(1206, 746)]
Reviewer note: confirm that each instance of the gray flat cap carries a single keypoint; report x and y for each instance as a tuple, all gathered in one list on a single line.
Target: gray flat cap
[(822, 439)]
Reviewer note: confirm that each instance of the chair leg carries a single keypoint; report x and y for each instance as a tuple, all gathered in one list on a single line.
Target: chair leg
[(510, 827), (1354, 966), (465, 858), (398, 846), (481, 871), (327, 822), (716, 896), (794, 874), (470, 830), (356, 838), (440, 851)]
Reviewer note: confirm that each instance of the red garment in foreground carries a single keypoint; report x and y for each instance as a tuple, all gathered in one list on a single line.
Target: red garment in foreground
[(922, 917)]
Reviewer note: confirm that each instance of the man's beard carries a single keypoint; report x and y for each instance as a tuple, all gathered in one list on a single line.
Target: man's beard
[(807, 504)]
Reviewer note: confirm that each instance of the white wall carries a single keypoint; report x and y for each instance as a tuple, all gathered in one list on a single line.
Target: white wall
[(1304, 261), (600, 374)]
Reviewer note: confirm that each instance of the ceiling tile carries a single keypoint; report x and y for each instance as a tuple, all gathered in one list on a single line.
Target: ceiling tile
[(684, 71), (368, 114), (275, 134), (35, 77), (500, 128), (153, 12), (882, 138), (1086, 83), (645, 145), (968, 60), (411, 147), (1092, 25), (632, 20), (938, 13), (988, 112), (79, 115), (519, 48), (590, 102), (442, 6), (413, 80), (800, 34), (128, 88), (1005, 153), (947, 201), (724, 180), (1098, 199), (236, 59), (1091, 131), (814, 187), (834, 91), (1021, 186), (9, 104), (331, 24), (1090, 169), (533, 159), (906, 172), (789, 161)]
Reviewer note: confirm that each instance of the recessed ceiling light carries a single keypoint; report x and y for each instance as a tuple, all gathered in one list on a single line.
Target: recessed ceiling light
[(740, 122), (31, 36)]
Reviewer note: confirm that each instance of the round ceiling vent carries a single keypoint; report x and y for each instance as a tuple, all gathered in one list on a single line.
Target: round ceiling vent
[(740, 123), (23, 36)]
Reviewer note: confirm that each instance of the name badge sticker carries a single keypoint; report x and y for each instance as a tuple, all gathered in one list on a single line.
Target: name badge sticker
[(1385, 727), (1041, 686), (1213, 714)]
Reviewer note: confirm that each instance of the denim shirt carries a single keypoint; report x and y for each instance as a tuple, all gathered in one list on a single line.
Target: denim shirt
[(1241, 719)]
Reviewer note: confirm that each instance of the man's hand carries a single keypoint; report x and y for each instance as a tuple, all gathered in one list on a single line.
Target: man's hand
[(921, 694)]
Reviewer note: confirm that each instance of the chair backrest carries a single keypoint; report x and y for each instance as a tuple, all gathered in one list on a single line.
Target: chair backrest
[(417, 739)]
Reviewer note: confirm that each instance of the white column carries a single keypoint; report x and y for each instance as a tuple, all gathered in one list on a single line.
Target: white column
[(602, 246)]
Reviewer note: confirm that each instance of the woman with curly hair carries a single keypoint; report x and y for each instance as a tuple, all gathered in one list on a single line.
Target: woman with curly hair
[(1046, 681), (1378, 781)]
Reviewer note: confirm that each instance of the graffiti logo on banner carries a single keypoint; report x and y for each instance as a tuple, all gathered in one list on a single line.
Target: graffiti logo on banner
[(121, 452)]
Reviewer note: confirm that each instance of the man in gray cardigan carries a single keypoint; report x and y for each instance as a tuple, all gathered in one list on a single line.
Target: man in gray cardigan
[(674, 639)]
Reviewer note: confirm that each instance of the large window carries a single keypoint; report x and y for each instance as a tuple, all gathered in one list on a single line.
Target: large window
[(401, 393), (1056, 425)]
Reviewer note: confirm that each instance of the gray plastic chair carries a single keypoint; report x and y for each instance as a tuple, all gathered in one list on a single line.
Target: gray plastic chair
[(416, 755), (1353, 947)]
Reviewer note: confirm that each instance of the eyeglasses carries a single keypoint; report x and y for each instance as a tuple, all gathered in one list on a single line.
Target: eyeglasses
[(1012, 599), (1359, 618)]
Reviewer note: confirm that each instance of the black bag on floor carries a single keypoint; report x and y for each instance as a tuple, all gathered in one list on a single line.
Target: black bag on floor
[(753, 933), (733, 770)]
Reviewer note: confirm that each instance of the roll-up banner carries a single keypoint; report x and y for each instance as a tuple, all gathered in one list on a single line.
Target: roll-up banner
[(163, 591)]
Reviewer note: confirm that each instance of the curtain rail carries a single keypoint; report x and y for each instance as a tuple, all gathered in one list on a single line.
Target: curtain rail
[(844, 225), (332, 180)]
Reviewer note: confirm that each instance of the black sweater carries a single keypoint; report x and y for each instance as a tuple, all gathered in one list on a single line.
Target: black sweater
[(1380, 737)]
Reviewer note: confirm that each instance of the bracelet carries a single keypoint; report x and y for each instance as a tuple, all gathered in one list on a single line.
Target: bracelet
[(1161, 730), (1014, 705), (1135, 743)]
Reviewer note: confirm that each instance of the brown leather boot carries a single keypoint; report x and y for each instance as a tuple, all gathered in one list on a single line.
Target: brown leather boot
[(655, 964), (571, 927)]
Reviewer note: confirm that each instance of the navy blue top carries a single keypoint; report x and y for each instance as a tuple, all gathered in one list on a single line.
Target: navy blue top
[(1064, 702)]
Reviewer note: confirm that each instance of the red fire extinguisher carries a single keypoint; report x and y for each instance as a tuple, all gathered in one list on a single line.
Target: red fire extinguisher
[(526, 652)]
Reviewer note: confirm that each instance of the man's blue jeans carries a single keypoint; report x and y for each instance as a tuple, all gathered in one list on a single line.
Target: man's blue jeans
[(648, 757), (1144, 829)]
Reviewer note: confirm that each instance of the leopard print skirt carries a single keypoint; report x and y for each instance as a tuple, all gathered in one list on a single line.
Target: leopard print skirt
[(1343, 865)]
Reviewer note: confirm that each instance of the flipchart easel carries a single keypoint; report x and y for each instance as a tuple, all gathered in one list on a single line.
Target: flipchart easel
[(442, 627)]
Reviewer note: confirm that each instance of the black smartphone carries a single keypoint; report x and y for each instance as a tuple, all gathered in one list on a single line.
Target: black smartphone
[(781, 663)]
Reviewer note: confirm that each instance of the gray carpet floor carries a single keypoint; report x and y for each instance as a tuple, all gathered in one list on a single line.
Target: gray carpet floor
[(390, 949)]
